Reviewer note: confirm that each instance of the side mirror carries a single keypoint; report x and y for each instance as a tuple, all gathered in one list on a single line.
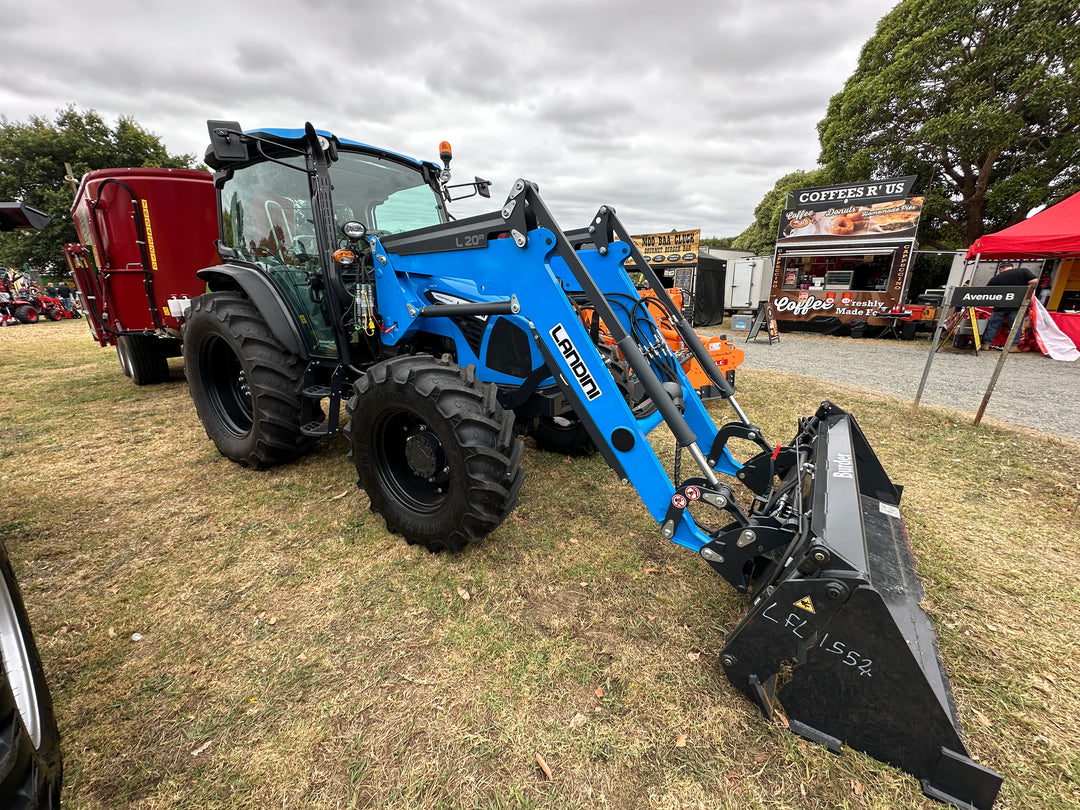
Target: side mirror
[(227, 142), (483, 187)]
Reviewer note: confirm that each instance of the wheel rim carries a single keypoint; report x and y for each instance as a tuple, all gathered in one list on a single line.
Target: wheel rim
[(17, 667), (411, 462), (227, 388)]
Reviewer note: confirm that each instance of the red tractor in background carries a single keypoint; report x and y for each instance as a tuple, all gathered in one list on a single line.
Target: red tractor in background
[(149, 230), (17, 304), (22, 300)]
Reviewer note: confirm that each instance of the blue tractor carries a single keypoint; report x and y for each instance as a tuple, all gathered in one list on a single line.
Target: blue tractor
[(343, 278)]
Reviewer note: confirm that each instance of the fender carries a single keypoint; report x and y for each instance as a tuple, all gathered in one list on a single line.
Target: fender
[(264, 296)]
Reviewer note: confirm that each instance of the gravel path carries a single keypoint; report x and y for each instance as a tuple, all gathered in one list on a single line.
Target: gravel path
[(1032, 391)]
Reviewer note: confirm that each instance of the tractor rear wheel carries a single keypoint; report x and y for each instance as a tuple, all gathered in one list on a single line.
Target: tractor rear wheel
[(30, 767), (434, 450), (26, 314), (146, 357), (245, 384)]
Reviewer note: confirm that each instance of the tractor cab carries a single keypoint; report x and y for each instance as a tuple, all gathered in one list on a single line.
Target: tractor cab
[(284, 199)]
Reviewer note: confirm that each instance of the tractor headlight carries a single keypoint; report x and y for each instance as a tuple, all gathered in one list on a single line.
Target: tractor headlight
[(353, 229)]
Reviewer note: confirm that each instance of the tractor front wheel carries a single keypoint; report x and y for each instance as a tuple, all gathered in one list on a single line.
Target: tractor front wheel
[(30, 768), (434, 450), (245, 384)]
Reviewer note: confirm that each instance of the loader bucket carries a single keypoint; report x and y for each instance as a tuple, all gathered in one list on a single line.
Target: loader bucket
[(842, 603)]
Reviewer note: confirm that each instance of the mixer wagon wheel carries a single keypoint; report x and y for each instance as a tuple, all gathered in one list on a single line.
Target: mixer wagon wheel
[(147, 362), (245, 384), (434, 450), (30, 767), (124, 357)]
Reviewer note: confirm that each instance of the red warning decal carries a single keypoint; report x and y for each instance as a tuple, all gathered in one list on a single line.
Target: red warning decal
[(678, 501), (693, 493)]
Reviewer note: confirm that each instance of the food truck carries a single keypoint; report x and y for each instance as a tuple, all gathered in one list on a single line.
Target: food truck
[(843, 254)]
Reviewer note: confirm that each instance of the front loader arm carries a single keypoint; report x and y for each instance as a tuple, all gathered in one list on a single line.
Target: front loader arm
[(536, 264)]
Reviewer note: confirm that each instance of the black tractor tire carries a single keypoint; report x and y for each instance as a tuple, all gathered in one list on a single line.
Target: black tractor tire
[(434, 450), (53, 314), (245, 384), (26, 314), (565, 435), (30, 766), (146, 356)]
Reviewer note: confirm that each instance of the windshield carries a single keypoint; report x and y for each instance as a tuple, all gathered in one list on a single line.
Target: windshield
[(266, 207), (385, 195)]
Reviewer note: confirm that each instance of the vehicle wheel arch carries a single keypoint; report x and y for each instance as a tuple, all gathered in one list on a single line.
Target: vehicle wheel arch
[(265, 298)]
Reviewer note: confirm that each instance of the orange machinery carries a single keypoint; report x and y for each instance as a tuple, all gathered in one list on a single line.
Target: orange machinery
[(723, 352)]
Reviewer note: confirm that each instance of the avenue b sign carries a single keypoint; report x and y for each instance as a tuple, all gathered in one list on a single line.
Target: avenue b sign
[(1008, 297)]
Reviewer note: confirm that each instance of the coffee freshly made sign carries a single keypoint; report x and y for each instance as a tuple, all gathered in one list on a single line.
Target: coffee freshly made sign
[(837, 304)]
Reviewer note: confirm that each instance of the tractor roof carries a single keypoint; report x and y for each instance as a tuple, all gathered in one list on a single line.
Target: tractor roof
[(298, 134)]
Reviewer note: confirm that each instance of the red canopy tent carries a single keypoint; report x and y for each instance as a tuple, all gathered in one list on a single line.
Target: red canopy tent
[(1051, 233)]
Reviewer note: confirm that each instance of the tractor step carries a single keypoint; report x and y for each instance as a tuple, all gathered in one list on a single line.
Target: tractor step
[(314, 422)]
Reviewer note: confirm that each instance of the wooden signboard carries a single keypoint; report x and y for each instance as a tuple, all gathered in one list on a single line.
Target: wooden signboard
[(764, 318)]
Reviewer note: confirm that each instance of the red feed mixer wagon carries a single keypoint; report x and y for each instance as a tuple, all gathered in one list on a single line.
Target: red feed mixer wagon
[(142, 235)]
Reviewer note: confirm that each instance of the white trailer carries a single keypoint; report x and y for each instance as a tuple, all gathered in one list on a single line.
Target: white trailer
[(748, 282)]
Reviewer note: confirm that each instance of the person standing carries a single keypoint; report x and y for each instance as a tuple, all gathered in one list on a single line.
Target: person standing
[(1043, 292), (1008, 275)]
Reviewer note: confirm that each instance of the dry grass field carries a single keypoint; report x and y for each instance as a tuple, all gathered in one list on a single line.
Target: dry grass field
[(293, 654)]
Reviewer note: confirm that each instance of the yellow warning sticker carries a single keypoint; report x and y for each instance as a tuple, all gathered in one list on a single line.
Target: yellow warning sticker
[(806, 604), (150, 237)]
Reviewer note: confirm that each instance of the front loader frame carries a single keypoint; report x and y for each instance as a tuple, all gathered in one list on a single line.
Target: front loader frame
[(821, 549)]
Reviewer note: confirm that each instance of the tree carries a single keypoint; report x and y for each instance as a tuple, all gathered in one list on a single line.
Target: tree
[(760, 237), (717, 242), (32, 158), (978, 98)]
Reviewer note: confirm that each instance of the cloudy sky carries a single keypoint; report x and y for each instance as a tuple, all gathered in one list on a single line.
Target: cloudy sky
[(680, 114)]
